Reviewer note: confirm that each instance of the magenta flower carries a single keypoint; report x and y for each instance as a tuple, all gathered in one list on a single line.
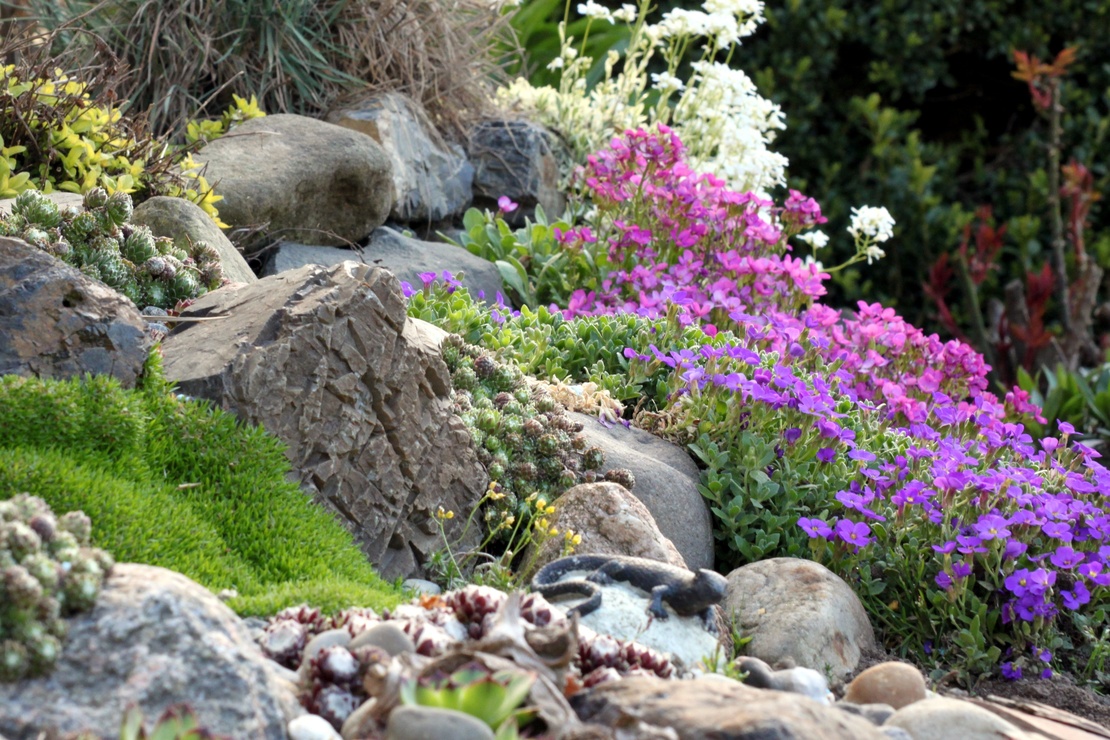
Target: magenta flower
[(506, 205)]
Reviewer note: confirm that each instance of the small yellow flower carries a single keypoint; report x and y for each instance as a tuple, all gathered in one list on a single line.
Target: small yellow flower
[(552, 532), (441, 514), (543, 523), (541, 505), (549, 510)]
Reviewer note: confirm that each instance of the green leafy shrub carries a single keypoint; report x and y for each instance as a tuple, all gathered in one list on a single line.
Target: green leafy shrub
[(47, 571), (530, 259), (183, 485), (543, 344), (100, 242)]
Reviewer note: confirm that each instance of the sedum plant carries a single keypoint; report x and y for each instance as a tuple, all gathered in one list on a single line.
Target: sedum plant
[(100, 242), (47, 571)]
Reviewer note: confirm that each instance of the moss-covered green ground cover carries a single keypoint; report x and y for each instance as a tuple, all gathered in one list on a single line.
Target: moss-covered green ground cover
[(179, 484)]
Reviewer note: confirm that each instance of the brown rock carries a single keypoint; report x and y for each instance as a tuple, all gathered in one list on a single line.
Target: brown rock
[(799, 610), (611, 521), (894, 683), (326, 359), (57, 323), (715, 709)]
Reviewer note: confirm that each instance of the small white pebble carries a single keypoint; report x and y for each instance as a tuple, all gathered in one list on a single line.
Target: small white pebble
[(312, 727)]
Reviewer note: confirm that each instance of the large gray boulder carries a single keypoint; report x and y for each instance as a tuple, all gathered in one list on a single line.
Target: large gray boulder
[(305, 180), (326, 359), (186, 223), (154, 639), (799, 610), (666, 482), (404, 256), (55, 322), (432, 178)]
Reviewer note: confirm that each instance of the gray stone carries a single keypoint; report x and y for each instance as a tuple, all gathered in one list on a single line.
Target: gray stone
[(432, 179), (186, 222), (518, 159), (710, 709), (942, 718), (799, 610), (304, 180), (666, 482), (386, 635), (55, 322), (421, 587), (154, 639), (312, 727), (323, 641), (327, 360), (433, 723), (403, 256)]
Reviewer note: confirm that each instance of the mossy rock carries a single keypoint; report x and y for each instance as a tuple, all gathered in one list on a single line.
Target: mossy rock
[(180, 484)]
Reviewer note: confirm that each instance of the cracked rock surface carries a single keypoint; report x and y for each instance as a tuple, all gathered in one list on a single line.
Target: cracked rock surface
[(326, 359)]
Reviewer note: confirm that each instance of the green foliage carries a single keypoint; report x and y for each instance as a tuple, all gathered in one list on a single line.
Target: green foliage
[(543, 344), (536, 27), (531, 260), (917, 102), (64, 132), (47, 571), (1081, 398), (180, 484), (100, 242), (474, 689)]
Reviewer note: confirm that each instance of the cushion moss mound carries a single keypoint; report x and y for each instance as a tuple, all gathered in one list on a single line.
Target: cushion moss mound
[(180, 484)]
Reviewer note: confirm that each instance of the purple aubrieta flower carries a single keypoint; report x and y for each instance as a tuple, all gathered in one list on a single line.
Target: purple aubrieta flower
[(1058, 530), (826, 454), (792, 435), (427, 278), (961, 570), (1077, 597), (407, 289), (991, 526), (943, 580), (1010, 671), (506, 205), (1065, 557), (814, 527), (857, 534)]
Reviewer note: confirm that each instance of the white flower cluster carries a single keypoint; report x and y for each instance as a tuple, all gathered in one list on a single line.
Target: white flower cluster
[(815, 239), (719, 115), (870, 227)]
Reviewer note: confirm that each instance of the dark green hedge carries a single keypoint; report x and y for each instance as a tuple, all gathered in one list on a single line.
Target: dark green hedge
[(910, 104)]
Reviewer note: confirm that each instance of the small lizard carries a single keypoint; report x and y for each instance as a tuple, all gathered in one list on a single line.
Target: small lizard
[(689, 593)]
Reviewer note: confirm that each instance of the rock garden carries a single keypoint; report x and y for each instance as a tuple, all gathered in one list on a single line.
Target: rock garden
[(397, 369)]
